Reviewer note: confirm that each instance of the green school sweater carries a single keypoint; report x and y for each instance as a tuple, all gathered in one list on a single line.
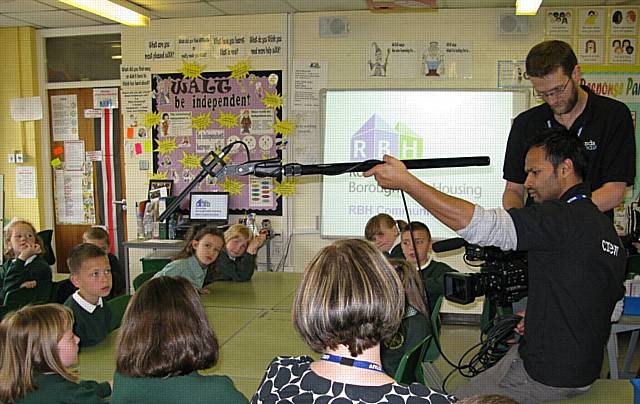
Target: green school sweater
[(433, 279), (192, 388), (51, 388), (15, 273), (91, 328), (227, 269)]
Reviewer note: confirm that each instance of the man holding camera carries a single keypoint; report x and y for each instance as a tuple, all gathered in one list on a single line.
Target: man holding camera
[(576, 268)]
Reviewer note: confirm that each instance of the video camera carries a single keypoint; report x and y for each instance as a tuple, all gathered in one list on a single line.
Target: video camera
[(502, 277)]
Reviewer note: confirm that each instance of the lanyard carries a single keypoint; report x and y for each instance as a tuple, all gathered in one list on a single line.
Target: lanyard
[(351, 362), (576, 198)]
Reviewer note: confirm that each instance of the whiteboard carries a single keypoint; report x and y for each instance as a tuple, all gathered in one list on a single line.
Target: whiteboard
[(358, 125)]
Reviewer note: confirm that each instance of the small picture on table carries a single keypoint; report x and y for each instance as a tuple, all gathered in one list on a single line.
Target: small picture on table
[(160, 188)]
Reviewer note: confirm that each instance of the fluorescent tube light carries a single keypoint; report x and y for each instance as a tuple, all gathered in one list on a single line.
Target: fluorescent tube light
[(112, 11), (527, 7)]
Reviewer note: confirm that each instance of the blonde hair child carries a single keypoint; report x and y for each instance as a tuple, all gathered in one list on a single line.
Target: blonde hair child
[(24, 267), (238, 260), (37, 347), (384, 231)]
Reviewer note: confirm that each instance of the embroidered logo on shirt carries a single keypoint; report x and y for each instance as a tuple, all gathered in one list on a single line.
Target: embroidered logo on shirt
[(590, 145)]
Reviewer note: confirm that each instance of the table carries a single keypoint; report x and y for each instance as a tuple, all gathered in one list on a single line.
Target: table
[(153, 244), (626, 323)]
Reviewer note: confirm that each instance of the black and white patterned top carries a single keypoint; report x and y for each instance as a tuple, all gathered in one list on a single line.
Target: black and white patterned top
[(291, 380)]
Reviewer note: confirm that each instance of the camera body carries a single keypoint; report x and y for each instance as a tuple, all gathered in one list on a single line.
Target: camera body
[(502, 278)]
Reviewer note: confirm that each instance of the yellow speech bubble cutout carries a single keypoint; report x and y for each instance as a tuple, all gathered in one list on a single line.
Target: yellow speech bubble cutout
[(158, 176), (191, 70), (166, 146), (201, 121), (190, 160), (272, 100), (151, 119), (233, 187), (227, 120), (240, 70), (55, 163), (285, 188), (284, 128)]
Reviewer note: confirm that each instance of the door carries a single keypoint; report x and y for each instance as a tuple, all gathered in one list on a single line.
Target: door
[(103, 136)]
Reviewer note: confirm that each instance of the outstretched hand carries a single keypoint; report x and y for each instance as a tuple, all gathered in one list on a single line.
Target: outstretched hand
[(257, 242), (391, 175)]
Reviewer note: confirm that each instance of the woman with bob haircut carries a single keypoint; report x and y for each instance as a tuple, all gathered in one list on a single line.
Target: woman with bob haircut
[(37, 348), (164, 340), (350, 300)]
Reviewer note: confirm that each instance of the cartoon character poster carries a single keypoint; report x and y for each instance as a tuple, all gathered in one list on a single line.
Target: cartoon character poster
[(206, 113)]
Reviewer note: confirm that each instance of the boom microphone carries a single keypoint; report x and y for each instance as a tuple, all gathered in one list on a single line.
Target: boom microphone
[(448, 245)]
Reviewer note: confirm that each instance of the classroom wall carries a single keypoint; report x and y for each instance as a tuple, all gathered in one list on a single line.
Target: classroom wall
[(20, 79)]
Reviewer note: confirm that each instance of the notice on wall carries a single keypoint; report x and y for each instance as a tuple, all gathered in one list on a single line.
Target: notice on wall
[(74, 196), (26, 109), (25, 182), (160, 49), (74, 155), (64, 117), (229, 46), (105, 97), (265, 45), (194, 47)]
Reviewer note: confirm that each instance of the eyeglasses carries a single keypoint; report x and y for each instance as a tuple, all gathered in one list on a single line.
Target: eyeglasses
[(553, 92)]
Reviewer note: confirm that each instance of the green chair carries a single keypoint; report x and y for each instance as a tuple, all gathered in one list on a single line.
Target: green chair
[(47, 254), (410, 368), (432, 350), (142, 278), (117, 305)]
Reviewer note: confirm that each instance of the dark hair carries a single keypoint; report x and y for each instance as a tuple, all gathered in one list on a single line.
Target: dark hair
[(96, 233), (165, 331), (165, 114), (196, 233), (416, 226), (380, 222), (548, 56), (80, 254), (559, 144), (349, 295)]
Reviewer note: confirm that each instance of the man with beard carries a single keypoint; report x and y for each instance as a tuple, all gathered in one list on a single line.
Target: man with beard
[(604, 126)]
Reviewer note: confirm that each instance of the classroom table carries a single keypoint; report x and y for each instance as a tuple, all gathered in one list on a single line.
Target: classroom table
[(624, 324)]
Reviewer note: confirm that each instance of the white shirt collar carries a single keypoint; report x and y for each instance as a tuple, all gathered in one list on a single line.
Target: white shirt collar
[(29, 260), (85, 304), (427, 264)]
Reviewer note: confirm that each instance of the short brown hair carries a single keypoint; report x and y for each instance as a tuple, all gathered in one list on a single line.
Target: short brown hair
[(80, 254), (349, 295), (379, 222), (417, 226), (29, 345), (165, 331), (196, 233), (95, 233), (548, 56)]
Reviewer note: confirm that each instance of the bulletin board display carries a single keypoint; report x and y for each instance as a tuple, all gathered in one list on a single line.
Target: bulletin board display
[(205, 113)]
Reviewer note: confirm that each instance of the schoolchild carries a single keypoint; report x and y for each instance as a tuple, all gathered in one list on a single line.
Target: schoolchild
[(384, 231), (238, 260), (100, 238)]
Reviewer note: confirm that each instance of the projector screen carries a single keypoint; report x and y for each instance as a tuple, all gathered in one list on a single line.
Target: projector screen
[(412, 124)]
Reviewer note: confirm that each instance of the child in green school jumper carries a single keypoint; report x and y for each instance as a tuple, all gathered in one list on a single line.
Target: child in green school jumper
[(99, 237), (165, 339), (24, 266), (415, 324), (384, 231), (202, 247), (238, 260), (91, 274), (431, 271), (39, 347)]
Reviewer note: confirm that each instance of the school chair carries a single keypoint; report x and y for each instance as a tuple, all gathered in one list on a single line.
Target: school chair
[(142, 278), (47, 254), (117, 305), (410, 367), (432, 375)]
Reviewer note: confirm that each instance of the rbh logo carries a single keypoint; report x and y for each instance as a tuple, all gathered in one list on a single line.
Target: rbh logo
[(375, 139)]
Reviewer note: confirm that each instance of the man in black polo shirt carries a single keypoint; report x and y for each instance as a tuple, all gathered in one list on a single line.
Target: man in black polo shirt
[(604, 126), (576, 268)]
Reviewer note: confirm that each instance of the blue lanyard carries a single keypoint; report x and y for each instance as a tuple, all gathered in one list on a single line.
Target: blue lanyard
[(352, 362), (576, 198)]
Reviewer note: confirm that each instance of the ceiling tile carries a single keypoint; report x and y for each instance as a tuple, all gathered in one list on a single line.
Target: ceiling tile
[(158, 3), (183, 10), (56, 4), (11, 22), (92, 16), (54, 19), (325, 5), (252, 7), (23, 6)]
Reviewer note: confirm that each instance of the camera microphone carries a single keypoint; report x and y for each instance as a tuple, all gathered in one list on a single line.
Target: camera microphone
[(448, 245)]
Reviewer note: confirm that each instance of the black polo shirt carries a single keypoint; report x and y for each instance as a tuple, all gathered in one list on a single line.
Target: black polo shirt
[(576, 270), (606, 128)]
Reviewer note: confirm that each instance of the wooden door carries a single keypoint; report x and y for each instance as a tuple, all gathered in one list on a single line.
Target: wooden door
[(104, 135)]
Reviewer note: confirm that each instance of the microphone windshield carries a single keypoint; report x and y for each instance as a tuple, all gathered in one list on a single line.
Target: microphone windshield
[(448, 244)]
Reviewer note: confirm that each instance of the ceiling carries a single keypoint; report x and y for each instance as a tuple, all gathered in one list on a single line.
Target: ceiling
[(54, 14)]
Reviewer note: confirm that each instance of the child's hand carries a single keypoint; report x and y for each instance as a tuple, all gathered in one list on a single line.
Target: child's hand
[(203, 291), (29, 250), (29, 284), (257, 242), (520, 327)]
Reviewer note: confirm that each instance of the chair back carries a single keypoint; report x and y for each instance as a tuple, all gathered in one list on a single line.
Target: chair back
[(47, 254), (410, 368), (117, 305), (142, 278), (432, 349)]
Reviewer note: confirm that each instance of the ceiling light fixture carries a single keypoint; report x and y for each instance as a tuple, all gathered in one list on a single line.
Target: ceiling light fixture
[(113, 10), (527, 7)]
